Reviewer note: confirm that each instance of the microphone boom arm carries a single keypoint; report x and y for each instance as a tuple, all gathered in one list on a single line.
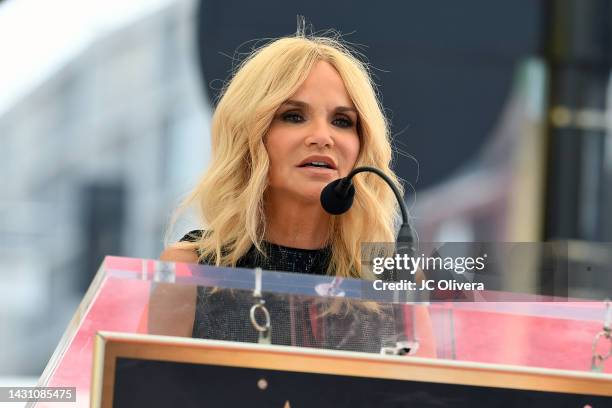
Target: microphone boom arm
[(405, 232)]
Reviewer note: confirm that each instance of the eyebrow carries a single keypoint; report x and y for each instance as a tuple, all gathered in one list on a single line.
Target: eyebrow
[(302, 104)]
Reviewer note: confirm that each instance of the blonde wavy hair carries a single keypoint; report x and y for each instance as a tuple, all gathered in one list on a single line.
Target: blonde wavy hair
[(229, 197)]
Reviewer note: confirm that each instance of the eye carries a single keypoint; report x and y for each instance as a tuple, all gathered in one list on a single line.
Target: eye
[(292, 117), (343, 122)]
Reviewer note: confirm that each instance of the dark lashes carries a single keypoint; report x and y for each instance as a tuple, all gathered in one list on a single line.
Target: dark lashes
[(291, 116)]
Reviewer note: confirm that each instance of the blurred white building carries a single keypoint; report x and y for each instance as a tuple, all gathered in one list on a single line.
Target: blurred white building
[(93, 161)]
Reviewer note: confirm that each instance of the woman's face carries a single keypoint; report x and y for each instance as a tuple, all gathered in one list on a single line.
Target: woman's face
[(313, 137)]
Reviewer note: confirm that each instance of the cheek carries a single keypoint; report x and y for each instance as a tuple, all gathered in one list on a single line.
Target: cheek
[(277, 150)]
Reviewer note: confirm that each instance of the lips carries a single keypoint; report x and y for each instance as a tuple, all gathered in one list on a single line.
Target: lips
[(323, 162)]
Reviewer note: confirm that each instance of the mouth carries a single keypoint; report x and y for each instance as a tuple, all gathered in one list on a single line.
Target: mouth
[(319, 162)]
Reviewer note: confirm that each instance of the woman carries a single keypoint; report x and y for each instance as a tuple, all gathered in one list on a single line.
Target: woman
[(299, 113)]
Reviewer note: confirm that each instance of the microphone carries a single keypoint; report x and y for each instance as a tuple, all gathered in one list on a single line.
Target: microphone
[(337, 198)]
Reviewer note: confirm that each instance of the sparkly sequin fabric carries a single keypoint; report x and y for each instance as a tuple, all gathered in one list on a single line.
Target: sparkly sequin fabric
[(280, 258)]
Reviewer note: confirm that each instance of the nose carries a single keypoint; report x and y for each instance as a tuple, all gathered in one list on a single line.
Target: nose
[(319, 134)]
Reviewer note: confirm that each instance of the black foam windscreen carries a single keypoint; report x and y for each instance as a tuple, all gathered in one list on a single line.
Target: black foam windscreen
[(335, 202)]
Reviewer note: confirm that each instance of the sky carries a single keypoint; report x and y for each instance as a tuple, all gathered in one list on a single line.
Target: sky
[(38, 37)]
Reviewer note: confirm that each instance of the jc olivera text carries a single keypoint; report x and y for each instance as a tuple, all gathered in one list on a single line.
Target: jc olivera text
[(427, 285)]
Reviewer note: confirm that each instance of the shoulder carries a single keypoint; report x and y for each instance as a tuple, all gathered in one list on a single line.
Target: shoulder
[(175, 254), (178, 253)]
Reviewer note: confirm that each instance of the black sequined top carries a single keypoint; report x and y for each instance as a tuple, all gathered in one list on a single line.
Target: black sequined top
[(223, 314), (280, 258)]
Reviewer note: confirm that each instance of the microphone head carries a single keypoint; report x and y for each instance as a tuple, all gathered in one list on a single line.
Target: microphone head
[(337, 199)]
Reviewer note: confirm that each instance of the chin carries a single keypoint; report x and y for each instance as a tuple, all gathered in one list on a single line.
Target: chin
[(312, 194)]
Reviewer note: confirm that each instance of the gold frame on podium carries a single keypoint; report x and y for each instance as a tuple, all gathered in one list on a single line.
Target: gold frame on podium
[(109, 346)]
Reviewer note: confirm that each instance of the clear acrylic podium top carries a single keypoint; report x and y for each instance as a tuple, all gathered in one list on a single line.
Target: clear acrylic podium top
[(244, 305)]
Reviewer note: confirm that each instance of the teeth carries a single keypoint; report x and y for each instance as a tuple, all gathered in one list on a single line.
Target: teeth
[(318, 164)]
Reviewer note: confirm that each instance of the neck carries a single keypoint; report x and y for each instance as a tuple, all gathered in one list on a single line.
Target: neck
[(296, 224)]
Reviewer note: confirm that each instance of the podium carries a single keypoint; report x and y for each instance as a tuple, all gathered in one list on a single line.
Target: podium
[(284, 336)]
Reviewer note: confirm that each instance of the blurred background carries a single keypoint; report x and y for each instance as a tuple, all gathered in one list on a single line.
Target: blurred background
[(500, 118)]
